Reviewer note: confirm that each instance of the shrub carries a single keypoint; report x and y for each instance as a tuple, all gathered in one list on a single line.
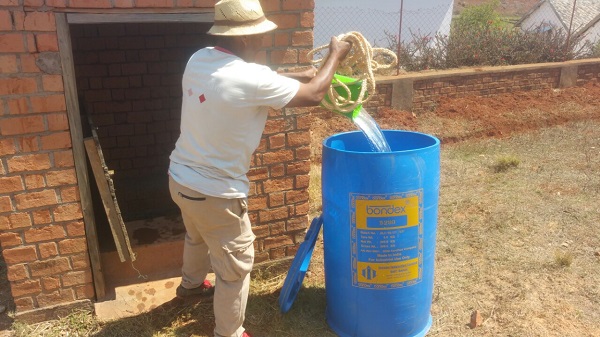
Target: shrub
[(480, 37)]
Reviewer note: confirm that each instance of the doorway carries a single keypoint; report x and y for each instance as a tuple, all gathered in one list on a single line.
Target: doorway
[(122, 76)]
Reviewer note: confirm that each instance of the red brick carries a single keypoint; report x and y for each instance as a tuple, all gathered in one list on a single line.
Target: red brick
[(7, 146), (10, 239), (16, 86), (21, 125), (49, 267), (271, 6), (293, 197), (273, 214), (301, 167), (287, 56), (46, 42), (28, 64), (75, 229), (57, 122), (23, 288), (18, 19), (64, 159), (277, 185), (18, 106), (185, 3), (57, 297), (5, 204), (76, 278), (307, 19), (290, 5), (154, 3), (34, 181), (45, 233), (281, 156), (56, 141), (5, 21), (123, 3), (302, 209), (302, 38), (17, 220), (56, 3), (298, 138), (302, 153), (12, 43), (41, 217), (29, 144), (48, 249), (35, 199), (275, 242), (19, 255), (50, 283), (302, 181), (17, 272), (63, 177), (31, 162), (80, 261), (71, 246), (8, 63), (40, 21), (84, 292), (285, 21), (52, 83), (52, 103), (69, 194), (90, 4), (30, 42), (281, 39), (34, 3), (68, 212), (24, 304), (10, 184)]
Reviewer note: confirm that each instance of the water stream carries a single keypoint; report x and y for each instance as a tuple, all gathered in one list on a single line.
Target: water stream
[(371, 130)]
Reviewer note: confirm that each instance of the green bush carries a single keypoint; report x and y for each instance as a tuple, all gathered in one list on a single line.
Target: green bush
[(480, 37)]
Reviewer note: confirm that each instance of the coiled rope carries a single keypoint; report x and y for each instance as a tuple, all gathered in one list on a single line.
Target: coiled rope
[(361, 63)]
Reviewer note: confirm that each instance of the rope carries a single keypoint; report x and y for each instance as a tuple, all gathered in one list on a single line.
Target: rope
[(360, 64)]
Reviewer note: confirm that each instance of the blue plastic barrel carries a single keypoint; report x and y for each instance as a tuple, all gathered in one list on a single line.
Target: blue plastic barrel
[(379, 232)]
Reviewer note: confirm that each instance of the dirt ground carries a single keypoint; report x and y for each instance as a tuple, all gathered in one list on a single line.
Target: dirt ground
[(461, 119)]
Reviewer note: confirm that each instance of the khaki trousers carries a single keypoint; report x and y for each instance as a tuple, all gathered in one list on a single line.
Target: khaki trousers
[(219, 234)]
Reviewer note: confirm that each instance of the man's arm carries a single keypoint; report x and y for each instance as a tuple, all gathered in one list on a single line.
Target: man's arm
[(312, 92)]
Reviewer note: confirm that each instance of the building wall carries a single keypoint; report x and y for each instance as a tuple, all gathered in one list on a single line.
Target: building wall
[(543, 15), (42, 233)]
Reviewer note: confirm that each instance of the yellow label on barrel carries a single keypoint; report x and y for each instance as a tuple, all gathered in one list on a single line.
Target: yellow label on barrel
[(387, 239)]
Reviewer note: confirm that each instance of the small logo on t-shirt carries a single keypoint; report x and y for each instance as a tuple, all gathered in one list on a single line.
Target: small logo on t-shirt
[(190, 92), (202, 98)]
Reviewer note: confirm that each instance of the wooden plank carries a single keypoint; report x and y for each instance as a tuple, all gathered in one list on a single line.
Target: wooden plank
[(91, 18), (109, 200), (68, 72)]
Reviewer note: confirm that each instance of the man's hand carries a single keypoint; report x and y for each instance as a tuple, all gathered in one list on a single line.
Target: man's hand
[(339, 49)]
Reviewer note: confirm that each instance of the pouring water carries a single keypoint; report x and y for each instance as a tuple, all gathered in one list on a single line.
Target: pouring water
[(371, 130)]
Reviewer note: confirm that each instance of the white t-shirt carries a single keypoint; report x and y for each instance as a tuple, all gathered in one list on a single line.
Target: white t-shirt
[(224, 110)]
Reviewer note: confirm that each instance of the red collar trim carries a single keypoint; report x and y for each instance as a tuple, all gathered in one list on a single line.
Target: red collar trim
[(221, 49)]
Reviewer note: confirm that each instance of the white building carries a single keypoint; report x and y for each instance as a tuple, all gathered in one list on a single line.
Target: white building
[(378, 19), (559, 14)]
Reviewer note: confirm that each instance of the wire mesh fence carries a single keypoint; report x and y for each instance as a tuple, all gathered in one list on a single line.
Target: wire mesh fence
[(423, 35)]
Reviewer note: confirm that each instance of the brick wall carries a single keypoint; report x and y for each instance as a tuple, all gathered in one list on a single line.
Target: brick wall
[(421, 92), (42, 232)]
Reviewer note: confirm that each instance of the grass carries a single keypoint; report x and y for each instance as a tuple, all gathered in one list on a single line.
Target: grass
[(519, 247), (517, 240)]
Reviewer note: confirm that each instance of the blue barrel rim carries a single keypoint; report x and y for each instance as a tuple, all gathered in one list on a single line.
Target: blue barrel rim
[(436, 142)]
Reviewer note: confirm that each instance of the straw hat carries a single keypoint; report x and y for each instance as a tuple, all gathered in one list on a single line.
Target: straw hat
[(240, 17)]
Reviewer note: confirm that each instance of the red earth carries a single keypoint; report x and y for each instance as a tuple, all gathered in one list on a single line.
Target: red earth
[(461, 119)]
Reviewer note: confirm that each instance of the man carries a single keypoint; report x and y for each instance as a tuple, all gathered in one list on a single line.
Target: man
[(226, 98)]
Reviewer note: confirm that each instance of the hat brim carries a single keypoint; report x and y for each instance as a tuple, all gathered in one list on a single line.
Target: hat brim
[(259, 28)]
